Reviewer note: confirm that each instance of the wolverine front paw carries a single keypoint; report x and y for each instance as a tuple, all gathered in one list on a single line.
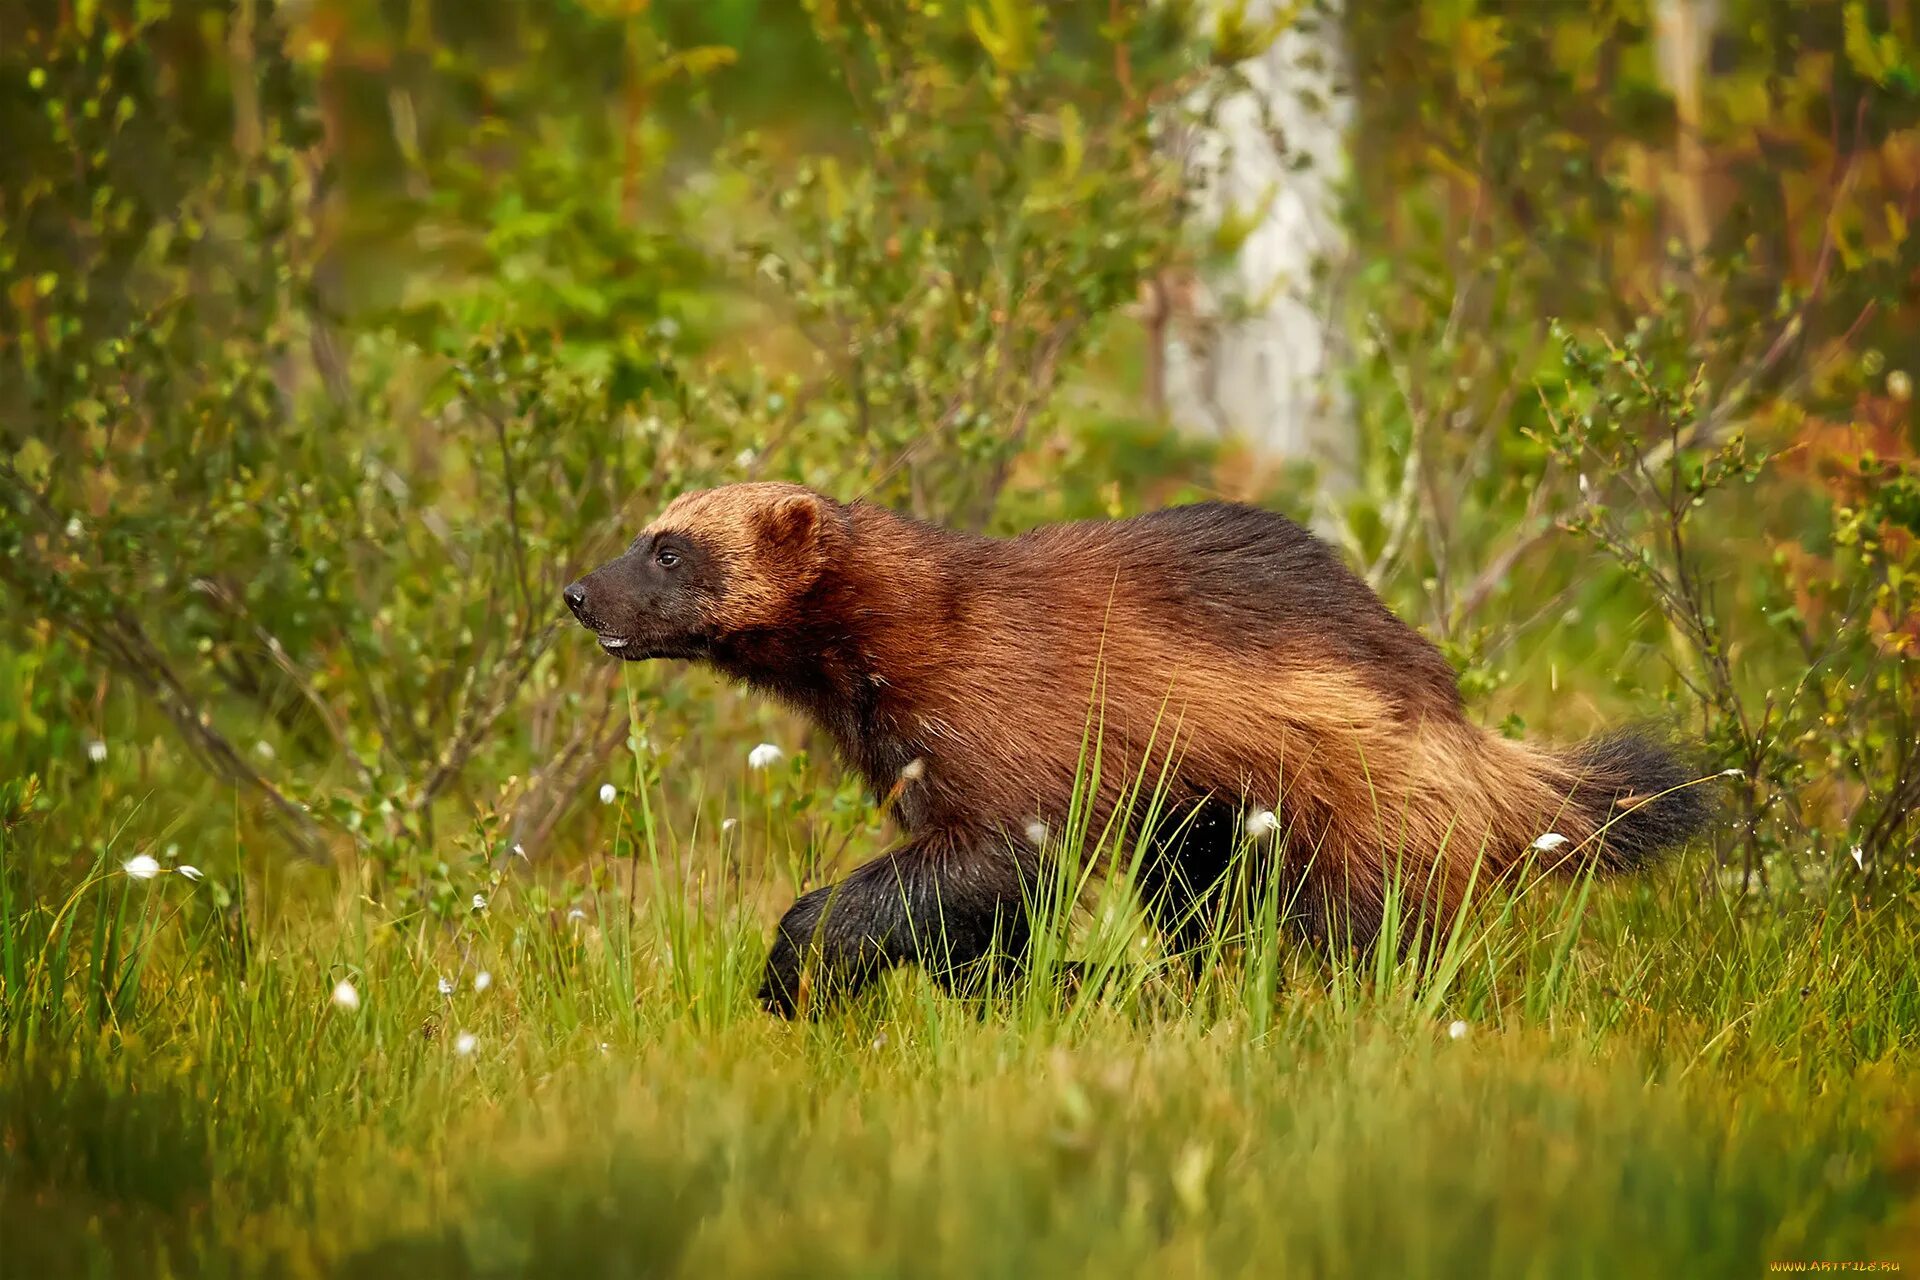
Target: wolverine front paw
[(815, 958), (787, 986)]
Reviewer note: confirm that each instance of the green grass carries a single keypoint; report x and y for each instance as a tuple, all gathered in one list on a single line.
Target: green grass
[(1651, 1081)]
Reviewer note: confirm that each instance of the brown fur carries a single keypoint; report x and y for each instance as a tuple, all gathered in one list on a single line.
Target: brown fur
[(1218, 651)]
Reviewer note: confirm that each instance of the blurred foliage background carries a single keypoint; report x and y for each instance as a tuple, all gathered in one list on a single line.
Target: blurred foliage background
[(336, 336)]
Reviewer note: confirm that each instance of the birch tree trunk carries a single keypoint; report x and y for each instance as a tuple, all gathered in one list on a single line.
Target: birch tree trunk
[(1251, 350), (1683, 43)]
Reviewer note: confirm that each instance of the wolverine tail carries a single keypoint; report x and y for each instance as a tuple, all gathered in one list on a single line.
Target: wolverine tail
[(1473, 799), (1639, 797)]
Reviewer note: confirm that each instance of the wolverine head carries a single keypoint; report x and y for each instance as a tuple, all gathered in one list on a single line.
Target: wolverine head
[(714, 564)]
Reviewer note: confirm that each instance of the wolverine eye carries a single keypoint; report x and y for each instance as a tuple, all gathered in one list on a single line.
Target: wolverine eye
[(666, 557)]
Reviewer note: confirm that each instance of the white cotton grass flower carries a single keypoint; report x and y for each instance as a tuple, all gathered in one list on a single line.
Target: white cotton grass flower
[(97, 751), (576, 916), (479, 902), (1262, 822), (1859, 857), (914, 770), (607, 792), (764, 755), (465, 1043), (75, 528), (482, 980), (1457, 1029), (445, 986), (1037, 833), (728, 824), (520, 852), (263, 749), (191, 872), (346, 997), (142, 866), (1552, 842)]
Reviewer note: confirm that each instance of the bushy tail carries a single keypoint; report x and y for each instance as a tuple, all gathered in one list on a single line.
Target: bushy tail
[(1640, 795)]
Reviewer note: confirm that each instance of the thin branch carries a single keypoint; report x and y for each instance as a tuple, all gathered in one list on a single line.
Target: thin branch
[(593, 740), (219, 593), (1534, 531), (1401, 514)]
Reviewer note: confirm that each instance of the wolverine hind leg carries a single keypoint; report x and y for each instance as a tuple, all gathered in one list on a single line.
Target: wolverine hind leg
[(1203, 879)]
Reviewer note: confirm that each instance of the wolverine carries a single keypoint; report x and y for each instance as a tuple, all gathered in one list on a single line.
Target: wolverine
[(1162, 676)]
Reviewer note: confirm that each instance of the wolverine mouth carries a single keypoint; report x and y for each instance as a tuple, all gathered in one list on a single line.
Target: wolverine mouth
[(631, 649)]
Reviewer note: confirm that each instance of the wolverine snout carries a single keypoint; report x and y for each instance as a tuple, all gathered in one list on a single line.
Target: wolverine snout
[(588, 604), (595, 605), (643, 604)]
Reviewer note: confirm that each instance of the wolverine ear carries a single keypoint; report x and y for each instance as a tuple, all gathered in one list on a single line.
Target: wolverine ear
[(789, 530)]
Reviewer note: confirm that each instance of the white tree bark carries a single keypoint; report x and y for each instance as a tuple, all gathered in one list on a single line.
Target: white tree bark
[(1253, 352), (1683, 33)]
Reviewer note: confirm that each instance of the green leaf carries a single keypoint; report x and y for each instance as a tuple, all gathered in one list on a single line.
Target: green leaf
[(1011, 36), (1880, 58), (1073, 141)]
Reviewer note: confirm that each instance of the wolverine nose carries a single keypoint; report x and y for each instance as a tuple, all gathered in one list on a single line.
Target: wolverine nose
[(576, 598)]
